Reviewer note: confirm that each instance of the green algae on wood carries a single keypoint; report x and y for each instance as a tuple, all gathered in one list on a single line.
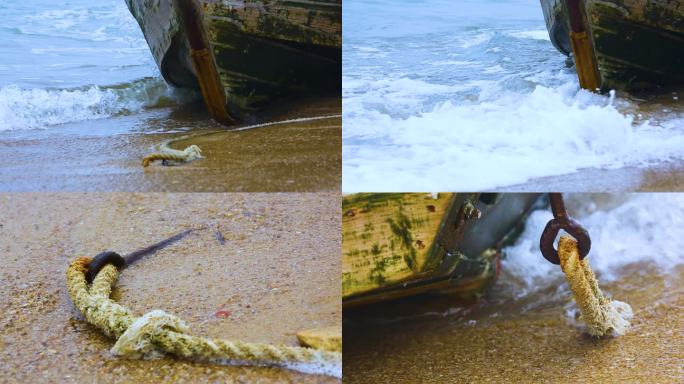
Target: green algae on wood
[(400, 244), (638, 44), (263, 50), (389, 238)]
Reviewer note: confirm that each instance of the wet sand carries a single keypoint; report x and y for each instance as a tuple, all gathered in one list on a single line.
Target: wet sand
[(527, 341), (105, 155), (665, 177), (276, 274)]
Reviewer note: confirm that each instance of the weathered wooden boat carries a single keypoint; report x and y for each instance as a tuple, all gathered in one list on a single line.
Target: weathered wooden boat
[(400, 244), (244, 54), (635, 44)]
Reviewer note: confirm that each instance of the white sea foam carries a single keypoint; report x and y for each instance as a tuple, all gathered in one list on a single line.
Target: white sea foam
[(536, 35), (384, 98), (496, 138), (473, 41), (106, 21), (37, 108), (41, 108), (451, 62), (494, 69), (322, 368), (621, 235)]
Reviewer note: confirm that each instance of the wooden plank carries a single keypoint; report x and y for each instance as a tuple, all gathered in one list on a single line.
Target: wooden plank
[(389, 238), (315, 22), (638, 44)]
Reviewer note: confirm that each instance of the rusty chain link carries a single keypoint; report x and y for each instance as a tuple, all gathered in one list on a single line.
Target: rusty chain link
[(561, 220)]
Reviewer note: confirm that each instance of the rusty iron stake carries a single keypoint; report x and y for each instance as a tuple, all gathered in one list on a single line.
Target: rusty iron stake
[(582, 46), (120, 262), (203, 61)]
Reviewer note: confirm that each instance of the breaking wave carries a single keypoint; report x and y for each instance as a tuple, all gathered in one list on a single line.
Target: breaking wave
[(624, 231), (36, 108)]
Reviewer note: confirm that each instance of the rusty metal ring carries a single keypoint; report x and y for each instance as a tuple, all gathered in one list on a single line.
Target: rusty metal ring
[(102, 259), (570, 226)]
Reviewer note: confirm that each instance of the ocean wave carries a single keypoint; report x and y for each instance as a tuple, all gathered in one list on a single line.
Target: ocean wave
[(476, 40), (622, 234), (541, 34), (102, 22), (367, 99), (37, 108), (491, 137)]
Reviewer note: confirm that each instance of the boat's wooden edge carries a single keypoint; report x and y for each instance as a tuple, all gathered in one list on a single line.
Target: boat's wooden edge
[(314, 22), (192, 21), (390, 239), (617, 31)]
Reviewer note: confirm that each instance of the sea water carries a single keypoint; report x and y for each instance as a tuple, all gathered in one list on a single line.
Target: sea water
[(65, 62), (472, 95), (635, 230)]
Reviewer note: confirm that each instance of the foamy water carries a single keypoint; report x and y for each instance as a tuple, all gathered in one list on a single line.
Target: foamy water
[(333, 369), (31, 108), (642, 229), (83, 61), (474, 97)]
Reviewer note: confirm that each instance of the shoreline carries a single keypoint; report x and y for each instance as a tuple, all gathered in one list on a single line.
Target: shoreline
[(526, 341), (297, 156), (667, 176)]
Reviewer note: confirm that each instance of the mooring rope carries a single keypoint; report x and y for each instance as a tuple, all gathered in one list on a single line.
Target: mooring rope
[(165, 152), (190, 153), (601, 315), (158, 333)]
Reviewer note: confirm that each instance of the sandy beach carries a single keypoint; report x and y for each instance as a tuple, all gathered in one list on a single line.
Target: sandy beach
[(276, 274), (105, 155), (435, 340)]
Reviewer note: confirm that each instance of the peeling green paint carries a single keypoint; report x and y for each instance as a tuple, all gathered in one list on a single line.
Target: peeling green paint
[(401, 228)]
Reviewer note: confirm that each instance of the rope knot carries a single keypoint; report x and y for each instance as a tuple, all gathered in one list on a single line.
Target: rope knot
[(139, 339), (601, 315)]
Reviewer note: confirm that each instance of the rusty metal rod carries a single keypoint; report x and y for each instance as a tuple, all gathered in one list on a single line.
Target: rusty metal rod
[(582, 46), (120, 262), (203, 61)]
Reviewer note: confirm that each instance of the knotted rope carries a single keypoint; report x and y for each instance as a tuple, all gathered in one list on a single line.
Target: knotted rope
[(158, 333), (165, 153), (601, 315), (193, 152)]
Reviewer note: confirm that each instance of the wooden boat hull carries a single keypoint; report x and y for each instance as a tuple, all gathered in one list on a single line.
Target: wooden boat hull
[(400, 244), (638, 44), (262, 50)]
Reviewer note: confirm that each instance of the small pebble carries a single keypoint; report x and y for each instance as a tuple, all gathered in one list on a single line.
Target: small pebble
[(222, 314)]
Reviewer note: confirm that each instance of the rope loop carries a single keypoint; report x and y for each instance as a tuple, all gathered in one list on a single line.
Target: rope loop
[(138, 340), (158, 333)]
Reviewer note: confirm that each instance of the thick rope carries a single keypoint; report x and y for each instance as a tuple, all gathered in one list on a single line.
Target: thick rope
[(190, 153), (601, 315), (168, 153), (158, 333)]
